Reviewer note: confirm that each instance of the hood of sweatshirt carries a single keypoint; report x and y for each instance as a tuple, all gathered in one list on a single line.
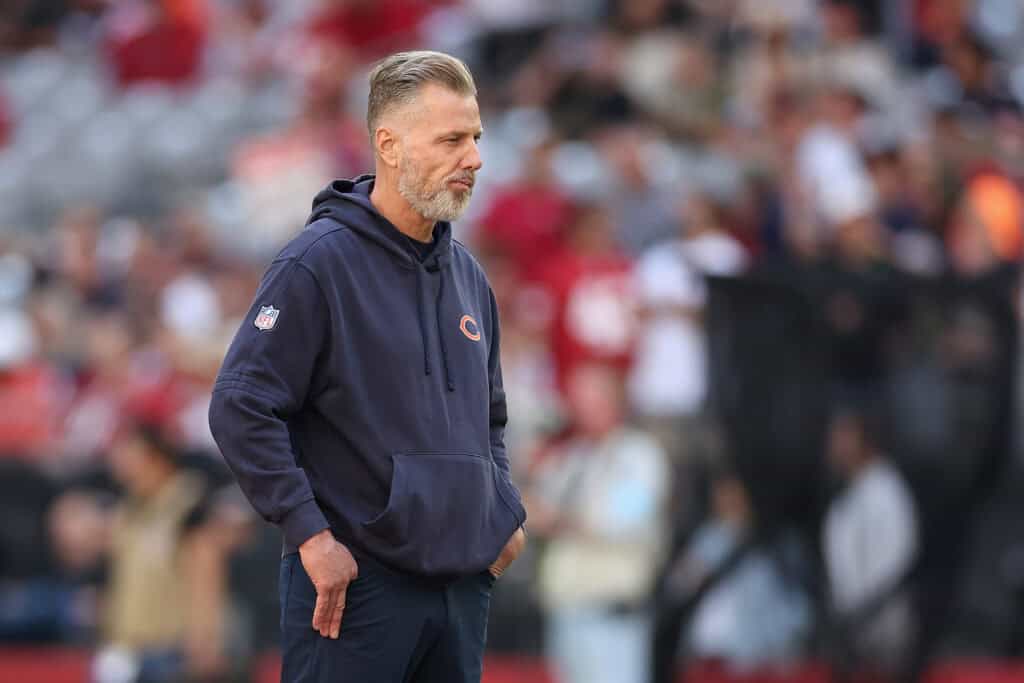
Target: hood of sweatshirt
[(348, 202)]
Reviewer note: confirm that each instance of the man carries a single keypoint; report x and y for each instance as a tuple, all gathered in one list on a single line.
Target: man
[(361, 404)]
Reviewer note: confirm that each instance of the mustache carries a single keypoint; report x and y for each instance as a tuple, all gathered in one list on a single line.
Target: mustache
[(468, 178)]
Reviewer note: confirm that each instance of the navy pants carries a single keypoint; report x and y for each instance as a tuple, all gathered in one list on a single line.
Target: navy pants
[(395, 628)]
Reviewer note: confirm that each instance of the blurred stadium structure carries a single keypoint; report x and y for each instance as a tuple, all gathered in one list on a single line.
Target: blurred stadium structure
[(757, 262)]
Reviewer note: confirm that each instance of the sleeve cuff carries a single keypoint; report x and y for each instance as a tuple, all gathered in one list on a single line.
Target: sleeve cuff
[(303, 522)]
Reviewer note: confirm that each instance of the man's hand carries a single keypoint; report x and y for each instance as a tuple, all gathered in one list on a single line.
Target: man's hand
[(331, 568), (509, 553)]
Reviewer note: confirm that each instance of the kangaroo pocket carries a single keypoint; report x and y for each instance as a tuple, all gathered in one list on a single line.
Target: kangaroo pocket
[(447, 514)]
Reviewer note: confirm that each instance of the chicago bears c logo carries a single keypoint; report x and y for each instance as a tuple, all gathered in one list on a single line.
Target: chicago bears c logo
[(469, 327)]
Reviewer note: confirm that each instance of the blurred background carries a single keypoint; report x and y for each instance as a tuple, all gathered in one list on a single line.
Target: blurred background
[(757, 268)]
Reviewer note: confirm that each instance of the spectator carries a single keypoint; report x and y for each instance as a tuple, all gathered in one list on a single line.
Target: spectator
[(78, 524), (937, 24), (588, 283), (372, 27), (28, 23), (33, 607), (528, 218), (674, 77), (165, 604), (102, 396), (870, 543), (29, 391), (255, 38), (599, 500), (668, 381), (588, 98), (851, 56), (769, 62), (971, 63), (915, 247), (157, 40), (756, 613), (323, 140), (986, 226), (641, 209)]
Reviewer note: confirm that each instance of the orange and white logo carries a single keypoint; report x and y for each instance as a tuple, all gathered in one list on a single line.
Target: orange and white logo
[(470, 328)]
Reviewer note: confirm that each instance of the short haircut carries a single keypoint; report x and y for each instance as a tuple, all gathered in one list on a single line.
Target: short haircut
[(397, 80)]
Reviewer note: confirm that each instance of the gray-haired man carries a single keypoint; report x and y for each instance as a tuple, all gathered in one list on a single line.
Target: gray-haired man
[(361, 404)]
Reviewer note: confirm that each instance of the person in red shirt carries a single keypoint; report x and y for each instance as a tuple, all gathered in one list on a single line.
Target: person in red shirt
[(372, 27), (593, 317), (525, 220), (157, 40), (28, 391)]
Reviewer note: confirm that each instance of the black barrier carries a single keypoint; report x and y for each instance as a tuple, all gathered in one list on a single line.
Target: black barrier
[(935, 359)]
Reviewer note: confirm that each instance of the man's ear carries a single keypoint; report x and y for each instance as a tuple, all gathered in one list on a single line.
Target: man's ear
[(387, 146)]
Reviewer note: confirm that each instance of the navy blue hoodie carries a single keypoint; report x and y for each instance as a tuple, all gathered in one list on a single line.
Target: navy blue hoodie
[(363, 393)]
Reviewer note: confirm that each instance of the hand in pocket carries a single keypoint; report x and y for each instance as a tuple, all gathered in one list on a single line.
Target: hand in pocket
[(509, 553)]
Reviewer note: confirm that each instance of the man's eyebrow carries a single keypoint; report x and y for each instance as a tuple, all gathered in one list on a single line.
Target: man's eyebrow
[(461, 133)]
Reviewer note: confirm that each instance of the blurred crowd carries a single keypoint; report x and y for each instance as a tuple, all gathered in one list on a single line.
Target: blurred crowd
[(154, 154)]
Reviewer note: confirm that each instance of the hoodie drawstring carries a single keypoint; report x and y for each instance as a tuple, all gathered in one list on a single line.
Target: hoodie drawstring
[(440, 335), (347, 202), (421, 272), (423, 320)]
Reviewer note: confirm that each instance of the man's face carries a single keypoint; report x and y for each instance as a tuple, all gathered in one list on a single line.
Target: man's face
[(437, 153)]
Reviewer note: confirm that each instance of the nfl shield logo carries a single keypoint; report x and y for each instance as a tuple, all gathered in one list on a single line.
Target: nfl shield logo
[(267, 318)]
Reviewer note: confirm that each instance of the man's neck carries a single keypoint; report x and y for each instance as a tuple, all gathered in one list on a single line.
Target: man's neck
[(393, 206)]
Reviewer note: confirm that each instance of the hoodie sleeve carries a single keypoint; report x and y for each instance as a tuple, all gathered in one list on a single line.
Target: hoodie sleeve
[(266, 377)]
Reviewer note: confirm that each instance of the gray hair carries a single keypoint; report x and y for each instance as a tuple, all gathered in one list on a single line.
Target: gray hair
[(397, 80)]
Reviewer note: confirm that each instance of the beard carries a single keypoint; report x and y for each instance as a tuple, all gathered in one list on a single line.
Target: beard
[(434, 203)]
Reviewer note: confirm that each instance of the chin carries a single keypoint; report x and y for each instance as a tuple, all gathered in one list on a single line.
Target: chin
[(450, 216), (453, 206)]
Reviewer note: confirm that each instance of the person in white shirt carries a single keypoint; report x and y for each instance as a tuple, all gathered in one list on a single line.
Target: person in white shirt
[(669, 376), (598, 499), (870, 544), (757, 613)]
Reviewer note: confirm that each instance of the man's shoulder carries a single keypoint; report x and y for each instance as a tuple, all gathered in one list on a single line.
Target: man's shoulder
[(464, 259), (322, 239)]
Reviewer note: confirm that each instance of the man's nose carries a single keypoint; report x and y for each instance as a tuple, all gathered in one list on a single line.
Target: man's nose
[(472, 161)]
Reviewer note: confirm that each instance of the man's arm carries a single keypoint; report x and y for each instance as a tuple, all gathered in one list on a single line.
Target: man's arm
[(271, 368), (265, 378)]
